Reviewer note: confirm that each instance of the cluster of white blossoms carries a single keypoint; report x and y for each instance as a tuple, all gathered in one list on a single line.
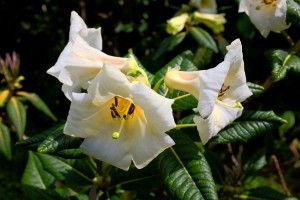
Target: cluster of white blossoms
[(118, 114)]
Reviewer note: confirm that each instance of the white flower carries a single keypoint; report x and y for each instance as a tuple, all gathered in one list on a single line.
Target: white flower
[(82, 57), (120, 120), (219, 91), (177, 23), (266, 15)]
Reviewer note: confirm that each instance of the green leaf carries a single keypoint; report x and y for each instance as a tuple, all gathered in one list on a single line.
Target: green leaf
[(290, 117), (168, 44), (17, 114), (185, 171), (65, 169), (33, 142), (283, 62), (37, 181), (34, 174), (293, 12), (248, 126), (37, 102), (254, 164), (149, 75), (202, 57), (5, 141), (185, 103), (255, 88), (203, 38), (58, 141), (4, 94), (264, 193), (70, 153)]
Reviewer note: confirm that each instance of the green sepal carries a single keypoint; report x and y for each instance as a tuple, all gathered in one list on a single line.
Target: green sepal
[(168, 44), (185, 171), (37, 102), (149, 75), (249, 125), (17, 114), (255, 88), (203, 38)]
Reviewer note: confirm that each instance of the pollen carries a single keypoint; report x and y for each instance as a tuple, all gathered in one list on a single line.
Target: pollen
[(121, 108), (223, 90)]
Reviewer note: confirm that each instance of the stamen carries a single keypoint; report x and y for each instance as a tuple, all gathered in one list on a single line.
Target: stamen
[(223, 90)]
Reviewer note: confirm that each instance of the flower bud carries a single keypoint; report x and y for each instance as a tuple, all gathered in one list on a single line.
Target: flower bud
[(176, 24), (213, 21)]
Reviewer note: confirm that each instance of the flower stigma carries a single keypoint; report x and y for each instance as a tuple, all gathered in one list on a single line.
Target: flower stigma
[(121, 109)]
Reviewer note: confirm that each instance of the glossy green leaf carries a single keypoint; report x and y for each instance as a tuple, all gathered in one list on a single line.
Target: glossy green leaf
[(293, 12), (5, 141), (65, 169), (185, 171), (203, 38), (169, 43), (34, 174), (149, 75), (248, 126), (70, 153), (264, 193), (17, 114), (33, 142), (254, 164), (38, 103), (283, 62), (58, 141), (255, 88)]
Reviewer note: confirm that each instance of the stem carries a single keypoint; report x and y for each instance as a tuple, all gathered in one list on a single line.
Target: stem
[(182, 96), (281, 177), (268, 83), (178, 126), (158, 84), (288, 38)]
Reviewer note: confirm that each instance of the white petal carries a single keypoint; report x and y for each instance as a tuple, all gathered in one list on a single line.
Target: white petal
[(109, 81), (77, 24), (205, 128), (157, 108), (107, 149), (244, 6), (236, 77), (219, 119), (60, 63), (210, 84)]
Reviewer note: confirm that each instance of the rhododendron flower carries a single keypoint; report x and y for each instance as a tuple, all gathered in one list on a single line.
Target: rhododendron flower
[(177, 23), (219, 91), (82, 57), (266, 15), (120, 120)]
